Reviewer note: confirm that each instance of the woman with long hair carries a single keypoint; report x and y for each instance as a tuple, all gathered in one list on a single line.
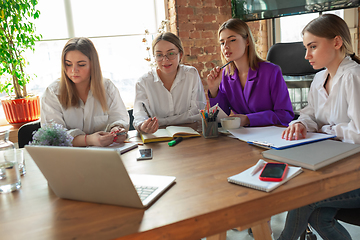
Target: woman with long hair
[(171, 93), (333, 107), (89, 106), (250, 87)]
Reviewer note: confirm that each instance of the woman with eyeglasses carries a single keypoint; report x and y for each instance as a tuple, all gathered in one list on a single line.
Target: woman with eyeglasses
[(171, 93)]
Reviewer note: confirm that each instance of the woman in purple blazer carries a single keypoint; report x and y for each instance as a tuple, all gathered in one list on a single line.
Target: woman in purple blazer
[(251, 88)]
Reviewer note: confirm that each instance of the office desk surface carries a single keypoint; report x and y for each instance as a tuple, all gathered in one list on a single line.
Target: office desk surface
[(201, 203)]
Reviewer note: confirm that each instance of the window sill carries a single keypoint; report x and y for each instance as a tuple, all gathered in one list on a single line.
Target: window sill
[(14, 128)]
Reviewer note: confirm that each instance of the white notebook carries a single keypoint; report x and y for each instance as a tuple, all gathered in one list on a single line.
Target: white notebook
[(247, 180), (270, 137), (120, 147)]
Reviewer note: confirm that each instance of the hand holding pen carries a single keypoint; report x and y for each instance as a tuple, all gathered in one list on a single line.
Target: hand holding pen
[(150, 125), (214, 79), (119, 134)]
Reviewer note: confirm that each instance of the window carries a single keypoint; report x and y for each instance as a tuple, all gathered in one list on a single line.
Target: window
[(291, 26), (116, 27)]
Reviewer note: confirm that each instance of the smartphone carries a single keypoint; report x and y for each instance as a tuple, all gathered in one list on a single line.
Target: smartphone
[(274, 172), (144, 154)]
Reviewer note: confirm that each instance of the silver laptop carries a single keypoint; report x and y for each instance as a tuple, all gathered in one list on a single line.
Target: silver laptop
[(96, 175)]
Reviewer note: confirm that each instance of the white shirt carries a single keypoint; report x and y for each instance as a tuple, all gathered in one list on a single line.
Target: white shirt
[(339, 112), (179, 105), (88, 118)]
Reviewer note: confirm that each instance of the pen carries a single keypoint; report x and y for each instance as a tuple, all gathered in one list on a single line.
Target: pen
[(147, 112), (175, 141), (226, 65), (259, 165), (120, 133)]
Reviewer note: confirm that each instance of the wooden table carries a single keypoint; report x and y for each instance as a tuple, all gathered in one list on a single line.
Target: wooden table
[(201, 203)]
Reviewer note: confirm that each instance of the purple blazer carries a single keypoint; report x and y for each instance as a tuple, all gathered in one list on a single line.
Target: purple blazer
[(265, 98)]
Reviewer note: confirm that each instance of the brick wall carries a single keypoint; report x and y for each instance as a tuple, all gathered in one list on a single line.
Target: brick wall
[(196, 23)]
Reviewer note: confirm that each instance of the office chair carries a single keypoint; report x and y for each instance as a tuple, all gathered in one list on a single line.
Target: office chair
[(131, 127), (26, 131), (297, 71)]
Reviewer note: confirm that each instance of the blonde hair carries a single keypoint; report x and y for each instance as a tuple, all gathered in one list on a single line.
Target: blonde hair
[(169, 37), (329, 26), (241, 28), (68, 94)]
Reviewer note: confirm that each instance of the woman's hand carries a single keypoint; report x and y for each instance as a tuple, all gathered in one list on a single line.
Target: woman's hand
[(119, 134), (150, 125), (297, 130), (100, 139), (214, 80)]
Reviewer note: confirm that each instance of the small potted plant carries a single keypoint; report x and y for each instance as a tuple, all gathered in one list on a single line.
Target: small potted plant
[(53, 134), (16, 36)]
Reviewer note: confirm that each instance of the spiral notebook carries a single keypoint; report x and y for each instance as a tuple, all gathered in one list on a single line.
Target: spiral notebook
[(270, 137), (246, 179)]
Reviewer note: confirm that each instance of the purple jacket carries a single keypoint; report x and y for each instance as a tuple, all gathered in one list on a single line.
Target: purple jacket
[(265, 98)]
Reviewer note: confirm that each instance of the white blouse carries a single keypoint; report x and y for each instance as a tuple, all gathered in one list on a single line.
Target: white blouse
[(88, 118), (179, 105), (339, 112)]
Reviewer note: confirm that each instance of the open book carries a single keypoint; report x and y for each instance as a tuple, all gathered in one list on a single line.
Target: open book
[(246, 179), (169, 133), (270, 137)]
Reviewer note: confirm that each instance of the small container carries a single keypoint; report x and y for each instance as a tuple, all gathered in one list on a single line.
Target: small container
[(9, 170), (5, 144), (209, 127), (230, 123)]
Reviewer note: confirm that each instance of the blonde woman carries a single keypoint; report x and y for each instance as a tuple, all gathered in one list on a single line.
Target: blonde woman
[(251, 88), (89, 106)]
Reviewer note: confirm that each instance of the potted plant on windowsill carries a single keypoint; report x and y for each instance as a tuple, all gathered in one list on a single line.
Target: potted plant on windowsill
[(16, 36)]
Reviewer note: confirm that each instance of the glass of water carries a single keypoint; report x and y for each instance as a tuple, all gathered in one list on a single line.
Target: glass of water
[(9, 176), (16, 155)]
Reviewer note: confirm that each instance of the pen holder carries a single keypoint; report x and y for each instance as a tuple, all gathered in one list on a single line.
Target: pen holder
[(209, 127)]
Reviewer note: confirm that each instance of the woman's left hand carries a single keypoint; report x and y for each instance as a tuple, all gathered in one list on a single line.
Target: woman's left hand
[(119, 134)]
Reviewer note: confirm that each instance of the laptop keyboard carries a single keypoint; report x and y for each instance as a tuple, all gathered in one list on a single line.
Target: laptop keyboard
[(145, 191)]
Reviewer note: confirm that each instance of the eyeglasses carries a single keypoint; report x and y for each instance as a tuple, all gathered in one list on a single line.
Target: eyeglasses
[(170, 55)]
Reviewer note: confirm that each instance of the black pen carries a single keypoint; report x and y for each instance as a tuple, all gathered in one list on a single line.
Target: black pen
[(147, 112), (225, 65)]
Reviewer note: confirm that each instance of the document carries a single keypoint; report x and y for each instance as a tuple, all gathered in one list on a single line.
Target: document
[(120, 147), (270, 137), (314, 155), (246, 179), (169, 133)]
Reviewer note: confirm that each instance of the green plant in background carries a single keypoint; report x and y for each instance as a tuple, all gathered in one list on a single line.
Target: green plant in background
[(238, 9), (16, 36), (161, 29)]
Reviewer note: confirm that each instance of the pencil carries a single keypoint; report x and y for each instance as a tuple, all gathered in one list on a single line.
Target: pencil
[(225, 65)]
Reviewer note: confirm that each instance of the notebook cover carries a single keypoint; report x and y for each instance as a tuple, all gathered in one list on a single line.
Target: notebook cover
[(245, 179), (315, 155)]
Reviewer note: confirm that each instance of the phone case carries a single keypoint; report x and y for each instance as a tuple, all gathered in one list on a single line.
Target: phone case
[(273, 179)]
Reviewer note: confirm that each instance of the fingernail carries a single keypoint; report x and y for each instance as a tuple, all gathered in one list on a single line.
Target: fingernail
[(115, 138)]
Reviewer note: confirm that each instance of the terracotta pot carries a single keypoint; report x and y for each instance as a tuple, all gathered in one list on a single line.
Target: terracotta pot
[(21, 110)]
